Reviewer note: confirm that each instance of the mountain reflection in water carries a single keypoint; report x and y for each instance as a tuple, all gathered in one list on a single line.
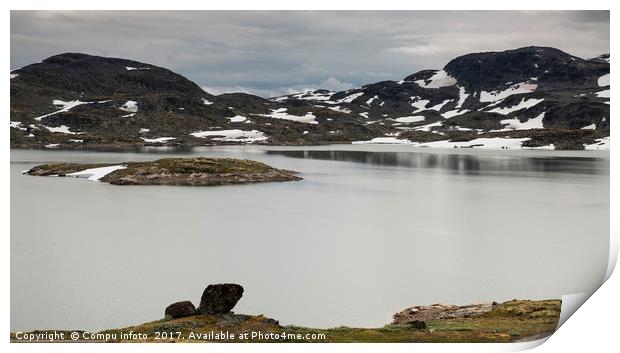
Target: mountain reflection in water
[(470, 164)]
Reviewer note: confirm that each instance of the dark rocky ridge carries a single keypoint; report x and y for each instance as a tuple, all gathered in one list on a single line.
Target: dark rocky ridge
[(553, 68), (169, 105)]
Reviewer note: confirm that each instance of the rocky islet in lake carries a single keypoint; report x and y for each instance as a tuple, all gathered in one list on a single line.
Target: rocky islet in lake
[(199, 171)]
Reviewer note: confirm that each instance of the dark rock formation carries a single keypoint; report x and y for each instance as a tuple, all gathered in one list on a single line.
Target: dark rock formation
[(220, 298), (180, 309)]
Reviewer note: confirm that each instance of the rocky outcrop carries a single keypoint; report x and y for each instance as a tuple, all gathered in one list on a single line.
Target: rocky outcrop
[(180, 309), (220, 298), (412, 315)]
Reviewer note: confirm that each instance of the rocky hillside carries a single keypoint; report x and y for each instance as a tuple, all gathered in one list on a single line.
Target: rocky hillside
[(528, 97)]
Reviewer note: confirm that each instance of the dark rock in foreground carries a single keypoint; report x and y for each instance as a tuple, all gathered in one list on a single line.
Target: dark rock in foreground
[(220, 298), (180, 309), (175, 171)]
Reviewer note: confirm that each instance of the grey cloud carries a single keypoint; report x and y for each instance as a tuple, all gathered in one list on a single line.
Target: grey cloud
[(276, 52)]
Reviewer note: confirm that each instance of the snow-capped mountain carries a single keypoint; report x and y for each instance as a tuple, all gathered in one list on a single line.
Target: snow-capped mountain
[(493, 94), (536, 96)]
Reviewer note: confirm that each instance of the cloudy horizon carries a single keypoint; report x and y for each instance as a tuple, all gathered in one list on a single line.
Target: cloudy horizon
[(271, 53)]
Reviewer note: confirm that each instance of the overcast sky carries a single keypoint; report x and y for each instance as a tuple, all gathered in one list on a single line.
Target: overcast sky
[(271, 53)]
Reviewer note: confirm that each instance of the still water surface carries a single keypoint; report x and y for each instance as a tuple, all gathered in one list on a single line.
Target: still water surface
[(369, 231)]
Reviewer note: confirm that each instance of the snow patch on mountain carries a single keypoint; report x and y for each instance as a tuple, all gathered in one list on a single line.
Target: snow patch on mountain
[(130, 106), (600, 144), (452, 113), (237, 119), (440, 105), (518, 88), (281, 113), (234, 135), (350, 98), (63, 129), (524, 104), (589, 127), (369, 102), (439, 79), (158, 139), (462, 97), (340, 110), (419, 104), (410, 119), (428, 127), (603, 81), (603, 94), (516, 124), (383, 141), (66, 106), (17, 125), (482, 142)]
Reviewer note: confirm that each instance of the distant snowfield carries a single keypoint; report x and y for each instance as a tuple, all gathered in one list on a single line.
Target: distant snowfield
[(410, 119), (281, 113), (462, 97), (130, 106), (484, 143), (17, 125), (94, 174), (383, 140), (311, 96), (350, 98), (61, 129), (603, 81), (589, 127), (340, 110), (158, 139), (492, 143), (66, 106), (237, 119), (600, 144), (603, 94), (428, 127), (517, 88), (234, 135)]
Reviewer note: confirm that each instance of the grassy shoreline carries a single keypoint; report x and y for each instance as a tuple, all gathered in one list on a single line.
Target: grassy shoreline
[(511, 321)]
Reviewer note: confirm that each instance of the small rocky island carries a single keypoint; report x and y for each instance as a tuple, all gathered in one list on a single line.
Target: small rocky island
[(198, 171)]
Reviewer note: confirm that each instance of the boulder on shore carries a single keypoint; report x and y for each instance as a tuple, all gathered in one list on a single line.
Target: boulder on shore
[(220, 298), (180, 309)]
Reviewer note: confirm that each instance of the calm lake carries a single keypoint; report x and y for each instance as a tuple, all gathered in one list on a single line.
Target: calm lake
[(370, 231)]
